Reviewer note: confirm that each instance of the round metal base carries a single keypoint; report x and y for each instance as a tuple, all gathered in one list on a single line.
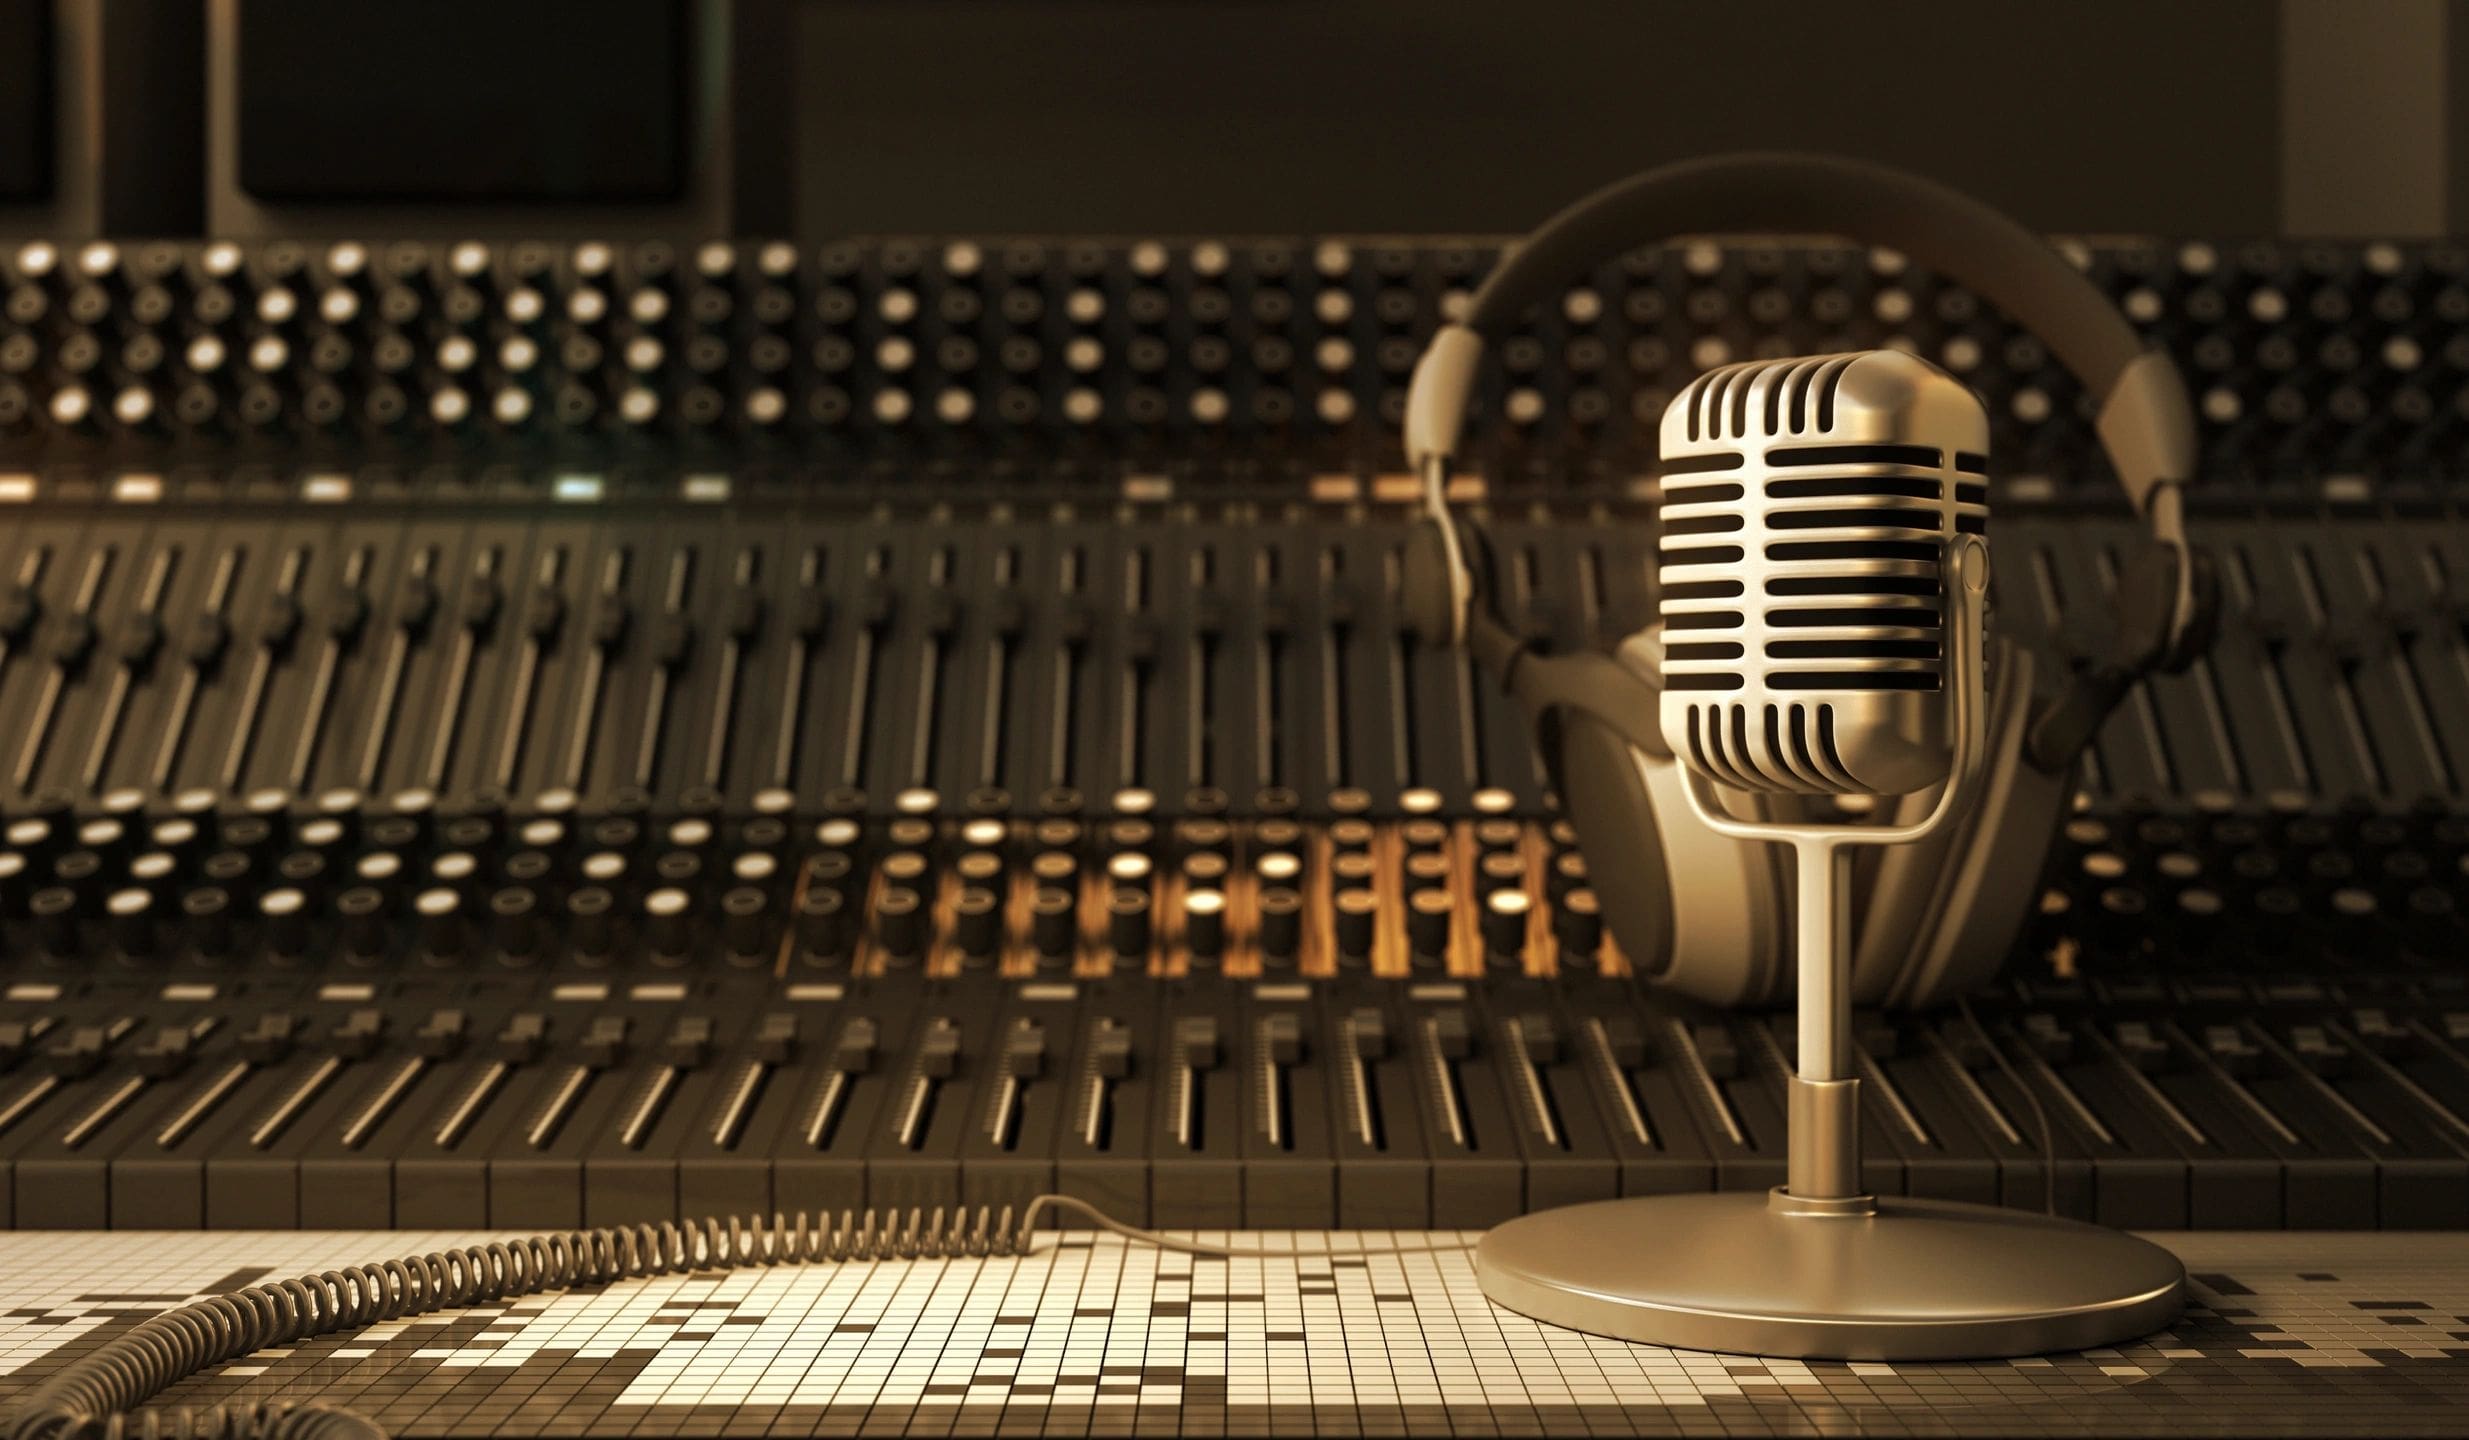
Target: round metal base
[(1760, 1275)]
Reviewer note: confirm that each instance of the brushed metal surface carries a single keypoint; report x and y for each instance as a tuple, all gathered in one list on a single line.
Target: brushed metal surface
[(1915, 1280)]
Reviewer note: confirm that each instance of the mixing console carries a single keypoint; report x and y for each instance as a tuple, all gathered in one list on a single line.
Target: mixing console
[(535, 737), (469, 867)]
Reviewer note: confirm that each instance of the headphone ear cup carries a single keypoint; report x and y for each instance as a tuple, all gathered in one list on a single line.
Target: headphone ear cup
[(1427, 597), (1603, 792), (1937, 918), (1695, 912)]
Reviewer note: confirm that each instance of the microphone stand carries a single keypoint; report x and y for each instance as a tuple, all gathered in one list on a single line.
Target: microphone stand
[(1819, 1268)]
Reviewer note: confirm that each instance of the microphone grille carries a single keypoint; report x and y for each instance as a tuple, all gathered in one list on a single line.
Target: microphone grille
[(1806, 504)]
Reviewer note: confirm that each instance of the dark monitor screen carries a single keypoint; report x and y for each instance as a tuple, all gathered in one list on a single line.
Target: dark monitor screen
[(25, 99), (540, 101)]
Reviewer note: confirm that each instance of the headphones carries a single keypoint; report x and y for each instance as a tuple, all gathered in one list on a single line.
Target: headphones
[(1706, 914)]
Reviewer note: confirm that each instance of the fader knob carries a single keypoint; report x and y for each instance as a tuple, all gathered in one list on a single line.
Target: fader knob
[(1204, 926), (1356, 911), (853, 1052), (515, 921), (745, 926), (1053, 924), (1504, 925), (1368, 1029), (822, 924), (667, 924), (79, 1054), (132, 922), (899, 924), (1196, 1042), (356, 1038), (591, 926), (442, 932), (977, 925), (688, 1044), (441, 1036), (523, 1039), (1281, 1039), (604, 1041), (1281, 926), (206, 914), (775, 1039), (286, 914), (1110, 1049), (1127, 923), (1024, 1051), (1577, 924), (938, 1053)]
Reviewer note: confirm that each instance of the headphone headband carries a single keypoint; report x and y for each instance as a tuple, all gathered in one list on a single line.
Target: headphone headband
[(2144, 419), (2142, 416)]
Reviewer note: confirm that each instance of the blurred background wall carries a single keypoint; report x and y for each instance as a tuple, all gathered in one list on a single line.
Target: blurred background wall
[(822, 117)]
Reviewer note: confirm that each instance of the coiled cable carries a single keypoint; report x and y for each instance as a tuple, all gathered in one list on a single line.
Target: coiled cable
[(99, 1395)]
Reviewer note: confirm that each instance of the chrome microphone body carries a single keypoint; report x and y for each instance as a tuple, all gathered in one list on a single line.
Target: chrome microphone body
[(1808, 507)]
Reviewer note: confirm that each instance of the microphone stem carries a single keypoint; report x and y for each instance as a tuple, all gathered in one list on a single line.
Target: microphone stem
[(1822, 911), (1823, 1160)]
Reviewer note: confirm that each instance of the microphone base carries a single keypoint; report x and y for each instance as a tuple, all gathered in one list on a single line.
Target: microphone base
[(1893, 1279)]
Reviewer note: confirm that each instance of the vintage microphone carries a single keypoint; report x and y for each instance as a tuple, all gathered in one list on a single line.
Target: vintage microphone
[(1824, 596)]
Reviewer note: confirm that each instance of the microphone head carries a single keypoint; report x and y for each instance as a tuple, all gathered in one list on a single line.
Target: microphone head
[(1806, 508)]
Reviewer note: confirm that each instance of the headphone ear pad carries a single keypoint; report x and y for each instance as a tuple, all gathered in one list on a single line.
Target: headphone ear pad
[(1603, 792), (1696, 912), (1937, 918)]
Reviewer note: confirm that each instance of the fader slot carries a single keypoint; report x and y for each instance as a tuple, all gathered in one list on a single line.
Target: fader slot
[(540, 622), (632, 1169), (408, 626), (2382, 666), (2335, 661), (202, 644), (936, 618), (721, 1164), (22, 608), (479, 607), (668, 647), (135, 646), (71, 641), (2302, 686), (871, 610), (1137, 646), (1102, 1148), (741, 631), (1006, 615), (1478, 1163), (2413, 586), (342, 623), (807, 623), (606, 637), (1384, 1165), (1196, 1143), (441, 1167)]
